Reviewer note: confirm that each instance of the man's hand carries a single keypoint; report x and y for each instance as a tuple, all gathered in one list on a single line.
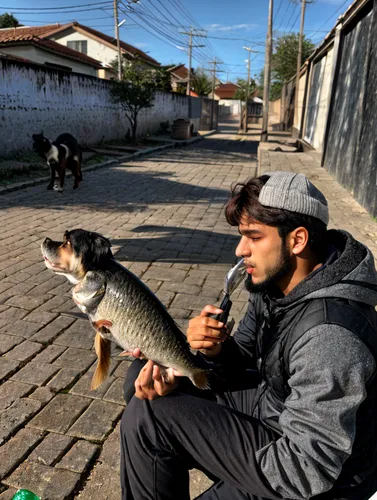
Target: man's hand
[(150, 383), (206, 334)]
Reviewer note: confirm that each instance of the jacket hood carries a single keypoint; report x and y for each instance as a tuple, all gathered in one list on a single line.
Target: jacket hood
[(349, 273)]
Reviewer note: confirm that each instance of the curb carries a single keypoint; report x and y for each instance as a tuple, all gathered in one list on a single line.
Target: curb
[(41, 180)]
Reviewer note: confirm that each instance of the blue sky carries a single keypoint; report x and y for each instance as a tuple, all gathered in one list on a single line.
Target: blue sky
[(229, 25)]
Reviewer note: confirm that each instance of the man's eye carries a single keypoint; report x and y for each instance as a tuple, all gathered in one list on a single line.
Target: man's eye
[(255, 239)]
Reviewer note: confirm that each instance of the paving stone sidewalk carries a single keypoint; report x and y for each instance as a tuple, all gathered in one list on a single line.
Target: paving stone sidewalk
[(164, 215)]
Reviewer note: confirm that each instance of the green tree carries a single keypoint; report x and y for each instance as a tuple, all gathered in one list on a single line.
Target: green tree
[(161, 76), (201, 83), (284, 57), (241, 92), (284, 62), (8, 21), (134, 93)]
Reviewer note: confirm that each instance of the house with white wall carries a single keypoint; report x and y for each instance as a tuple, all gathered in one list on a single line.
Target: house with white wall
[(81, 39), (50, 54), (97, 44)]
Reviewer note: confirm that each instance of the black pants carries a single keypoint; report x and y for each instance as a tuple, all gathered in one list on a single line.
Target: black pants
[(162, 439)]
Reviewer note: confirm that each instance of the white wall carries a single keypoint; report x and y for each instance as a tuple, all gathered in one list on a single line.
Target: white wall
[(40, 56), (301, 92), (33, 98), (97, 50), (229, 107), (318, 101)]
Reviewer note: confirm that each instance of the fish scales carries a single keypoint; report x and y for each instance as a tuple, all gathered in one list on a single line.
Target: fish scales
[(139, 320)]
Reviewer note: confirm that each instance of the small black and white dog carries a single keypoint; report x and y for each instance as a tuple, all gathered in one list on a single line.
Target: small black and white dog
[(60, 154)]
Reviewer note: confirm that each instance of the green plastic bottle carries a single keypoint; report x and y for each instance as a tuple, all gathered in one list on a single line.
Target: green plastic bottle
[(25, 495)]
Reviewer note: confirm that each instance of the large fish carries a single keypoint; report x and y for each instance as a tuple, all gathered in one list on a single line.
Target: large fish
[(123, 309)]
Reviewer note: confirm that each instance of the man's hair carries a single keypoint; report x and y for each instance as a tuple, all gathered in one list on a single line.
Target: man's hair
[(244, 202)]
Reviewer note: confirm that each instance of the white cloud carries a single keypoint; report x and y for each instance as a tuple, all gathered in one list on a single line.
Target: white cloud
[(221, 27), (141, 45)]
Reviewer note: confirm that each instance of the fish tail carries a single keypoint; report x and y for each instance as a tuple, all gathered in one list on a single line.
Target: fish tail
[(200, 380), (102, 347)]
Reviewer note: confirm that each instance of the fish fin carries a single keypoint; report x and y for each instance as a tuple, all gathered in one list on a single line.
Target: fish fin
[(102, 347), (102, 323), (200, 380)]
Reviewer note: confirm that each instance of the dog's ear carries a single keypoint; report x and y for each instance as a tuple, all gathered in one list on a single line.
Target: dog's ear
[(98, 251), (100, 246)]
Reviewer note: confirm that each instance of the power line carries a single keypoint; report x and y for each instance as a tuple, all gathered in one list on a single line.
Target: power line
[(295, 21), (19, 13), (332, 15), (171, 38), (283, 18), (57, 8), (278, 10)]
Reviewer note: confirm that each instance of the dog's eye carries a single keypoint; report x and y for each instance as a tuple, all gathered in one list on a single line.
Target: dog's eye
[(68, 243)]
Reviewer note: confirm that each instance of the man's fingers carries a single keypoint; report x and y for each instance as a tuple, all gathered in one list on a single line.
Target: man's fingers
[(203, 344), (209, 309)]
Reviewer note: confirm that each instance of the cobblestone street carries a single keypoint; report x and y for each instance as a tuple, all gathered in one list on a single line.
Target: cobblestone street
[(164, 215)]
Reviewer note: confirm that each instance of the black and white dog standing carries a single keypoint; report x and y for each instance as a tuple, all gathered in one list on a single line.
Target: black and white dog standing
[(60, 154)]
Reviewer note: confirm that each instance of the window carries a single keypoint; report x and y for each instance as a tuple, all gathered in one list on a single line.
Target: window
[(79, 45)]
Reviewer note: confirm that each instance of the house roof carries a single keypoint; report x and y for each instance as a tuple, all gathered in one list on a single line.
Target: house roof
[(226, 90), (12, 57), (227, 86), (51, 46), (180, 71), (53, 29), (14, 33)]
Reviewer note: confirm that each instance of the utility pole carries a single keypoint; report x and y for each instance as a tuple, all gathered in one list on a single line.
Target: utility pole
[(120, 67), (299, 54), (214, 71), (267, 74), (190, 47), (249, 49)]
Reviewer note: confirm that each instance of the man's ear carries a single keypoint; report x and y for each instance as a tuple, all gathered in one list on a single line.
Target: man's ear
[(299, 239)]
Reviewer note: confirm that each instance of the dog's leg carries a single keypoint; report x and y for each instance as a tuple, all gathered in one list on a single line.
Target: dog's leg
[(52, 176), (61, 176), (76, 174)]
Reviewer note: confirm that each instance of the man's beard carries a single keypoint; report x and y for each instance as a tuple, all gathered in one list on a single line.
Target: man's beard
[(282, 267)]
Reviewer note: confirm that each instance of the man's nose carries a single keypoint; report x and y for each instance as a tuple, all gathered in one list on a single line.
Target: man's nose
[(243, 249)]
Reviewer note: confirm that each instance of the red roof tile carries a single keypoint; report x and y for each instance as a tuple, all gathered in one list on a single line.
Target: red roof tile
[(226, 90), (24, 33), (181, 71), (23, 39), (18, 33), (109, 39)]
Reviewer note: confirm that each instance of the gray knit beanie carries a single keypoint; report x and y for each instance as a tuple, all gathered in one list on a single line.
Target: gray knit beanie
[(294, 192)]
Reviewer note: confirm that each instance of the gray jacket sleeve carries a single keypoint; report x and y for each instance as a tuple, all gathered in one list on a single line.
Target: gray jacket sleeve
[(329, 367)]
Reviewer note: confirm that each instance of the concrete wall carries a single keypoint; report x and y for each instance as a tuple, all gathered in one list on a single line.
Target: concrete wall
[(274, 113), (33, 98), (298, 110), (318, 101), (40, 56)]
